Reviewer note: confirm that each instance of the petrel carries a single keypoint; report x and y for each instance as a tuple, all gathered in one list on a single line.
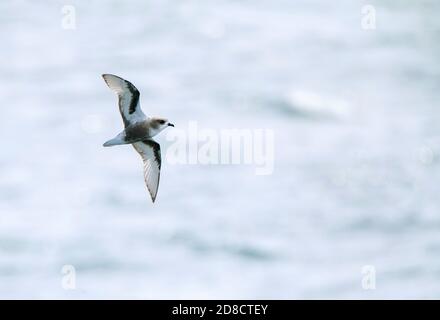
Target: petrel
[(138, 130)]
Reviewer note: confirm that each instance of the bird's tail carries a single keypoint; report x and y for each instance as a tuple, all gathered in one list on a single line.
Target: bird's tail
[(114, 142)]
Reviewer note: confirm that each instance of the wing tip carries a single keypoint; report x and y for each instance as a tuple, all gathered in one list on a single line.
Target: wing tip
[(106, 77), (153, 196), (114, 82)]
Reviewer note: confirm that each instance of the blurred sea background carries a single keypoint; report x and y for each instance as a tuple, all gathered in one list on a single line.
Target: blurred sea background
[(355, 183)]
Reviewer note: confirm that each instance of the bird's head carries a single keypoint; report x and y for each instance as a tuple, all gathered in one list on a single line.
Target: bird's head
[(159, 124)]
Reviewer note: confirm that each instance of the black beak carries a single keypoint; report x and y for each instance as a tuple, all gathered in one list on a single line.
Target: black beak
[(170, 125)]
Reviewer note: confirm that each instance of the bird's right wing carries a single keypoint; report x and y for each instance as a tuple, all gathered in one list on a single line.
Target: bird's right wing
[(128, 98), (150, 153)]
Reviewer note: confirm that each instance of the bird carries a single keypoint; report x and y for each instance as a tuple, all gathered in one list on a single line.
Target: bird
[(139, 130)]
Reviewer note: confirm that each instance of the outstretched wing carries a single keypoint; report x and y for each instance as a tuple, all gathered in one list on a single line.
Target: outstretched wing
[(128, 98), (150, 153)]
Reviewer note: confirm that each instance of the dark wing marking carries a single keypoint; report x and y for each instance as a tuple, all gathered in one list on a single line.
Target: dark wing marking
[(128, 98), (150, 153)]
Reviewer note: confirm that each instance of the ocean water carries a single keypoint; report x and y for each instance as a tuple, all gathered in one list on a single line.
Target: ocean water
[(356, 173)]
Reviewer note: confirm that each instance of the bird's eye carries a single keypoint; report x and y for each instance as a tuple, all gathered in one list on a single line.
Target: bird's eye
[(161, 121)]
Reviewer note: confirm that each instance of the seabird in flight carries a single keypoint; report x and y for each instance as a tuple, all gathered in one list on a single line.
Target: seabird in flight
[(138, 131)]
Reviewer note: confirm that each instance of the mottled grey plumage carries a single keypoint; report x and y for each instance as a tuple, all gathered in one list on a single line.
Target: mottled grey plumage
[(138, 131)]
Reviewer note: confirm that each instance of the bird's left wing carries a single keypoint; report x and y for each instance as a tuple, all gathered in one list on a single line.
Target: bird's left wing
[(128, 98), (150, 153)]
